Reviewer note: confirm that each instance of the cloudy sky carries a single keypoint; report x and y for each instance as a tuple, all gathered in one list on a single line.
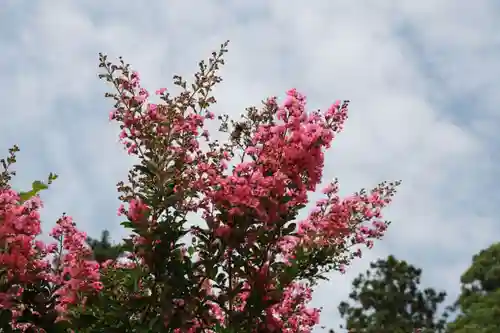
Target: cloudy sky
[(423, 77)]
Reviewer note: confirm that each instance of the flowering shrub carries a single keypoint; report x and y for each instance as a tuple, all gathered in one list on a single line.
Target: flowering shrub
[(33, 292), (249, 268)]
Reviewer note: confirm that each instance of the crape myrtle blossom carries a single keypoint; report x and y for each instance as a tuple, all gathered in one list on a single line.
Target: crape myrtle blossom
[(250, 267), (25, 261), (281, 160)]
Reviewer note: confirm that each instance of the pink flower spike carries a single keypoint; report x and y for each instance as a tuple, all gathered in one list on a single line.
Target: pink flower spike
[(161, 91)]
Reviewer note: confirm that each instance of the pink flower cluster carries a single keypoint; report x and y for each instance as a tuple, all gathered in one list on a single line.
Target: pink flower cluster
[(283, 162), (76, 274), (24, 260)]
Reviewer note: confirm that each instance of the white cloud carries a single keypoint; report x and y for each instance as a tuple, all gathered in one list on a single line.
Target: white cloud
[(422, 77)]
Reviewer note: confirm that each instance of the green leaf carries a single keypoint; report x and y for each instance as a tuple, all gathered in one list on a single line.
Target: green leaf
[(36, 187), (5, 317), (127, 224), (26, 195), (135, 282), (289, 229), (51, 178), (145, 170)]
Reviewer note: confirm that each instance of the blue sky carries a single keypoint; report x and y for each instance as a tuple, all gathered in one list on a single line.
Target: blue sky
[(423, 77)]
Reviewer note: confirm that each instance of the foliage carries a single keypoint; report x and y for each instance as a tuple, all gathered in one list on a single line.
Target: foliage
[(388, 298), (103, 250), (479, 301)]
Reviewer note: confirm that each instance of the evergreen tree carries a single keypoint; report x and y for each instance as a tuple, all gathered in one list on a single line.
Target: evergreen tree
[(103, 249), (479, 301), (388, 299)]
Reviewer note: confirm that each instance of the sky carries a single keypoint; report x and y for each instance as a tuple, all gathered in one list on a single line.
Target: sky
[(422, 77)]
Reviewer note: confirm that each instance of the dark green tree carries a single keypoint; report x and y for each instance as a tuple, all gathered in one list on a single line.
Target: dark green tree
[(103, 249), (388, 299), (479, 302)]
